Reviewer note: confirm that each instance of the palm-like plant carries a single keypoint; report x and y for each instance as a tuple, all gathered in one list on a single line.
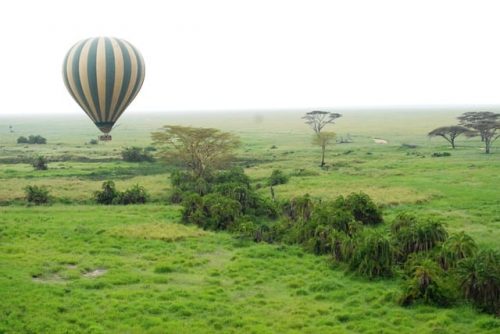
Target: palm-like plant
[(425, 283), (372, 255), (457, 247), (419, 237), (479, 278)]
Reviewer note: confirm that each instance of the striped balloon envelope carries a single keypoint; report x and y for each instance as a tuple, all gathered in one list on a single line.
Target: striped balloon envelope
[(103, 75)]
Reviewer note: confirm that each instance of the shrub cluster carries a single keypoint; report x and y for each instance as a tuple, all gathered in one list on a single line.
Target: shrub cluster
[(109, 195), (32, 140), (441, 270), (40, 163), (278, 177), (37, 195), (219, 201), (136, 154)]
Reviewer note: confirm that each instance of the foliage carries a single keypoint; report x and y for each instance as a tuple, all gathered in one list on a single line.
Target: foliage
[(339, 219), (278, 177), (403, 220), (298, 208), (201, 150), (362, 208), (317, 119), (134, 195), (108, 193), (479, 278), (221, 211), (37, 195), (456, 248), (418, 236), (32, 140), (40, 163), (486, 123), (136, 154), (373, 255), (425, 281), (450, 133), (93, 142), (440, 154)]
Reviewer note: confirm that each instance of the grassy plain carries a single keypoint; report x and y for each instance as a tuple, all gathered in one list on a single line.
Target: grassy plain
[(158, 276)]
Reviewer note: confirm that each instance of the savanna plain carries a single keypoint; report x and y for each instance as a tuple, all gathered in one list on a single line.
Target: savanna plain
[(74, 266)]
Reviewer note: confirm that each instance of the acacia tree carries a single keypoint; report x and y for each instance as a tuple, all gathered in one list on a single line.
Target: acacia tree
[(199, 149), (317, 119), (450, 133), (324, 139), (486, 123)]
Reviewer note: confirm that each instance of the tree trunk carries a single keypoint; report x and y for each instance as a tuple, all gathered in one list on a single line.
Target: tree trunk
[(487, 143), (323, 148)]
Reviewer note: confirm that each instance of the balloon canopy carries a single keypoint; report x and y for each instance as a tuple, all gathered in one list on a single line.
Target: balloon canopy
[(103, 75)]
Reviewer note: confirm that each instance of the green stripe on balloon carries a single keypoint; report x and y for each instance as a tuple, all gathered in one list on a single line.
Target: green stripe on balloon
[(92, 76), (76, 77), (110, 75)]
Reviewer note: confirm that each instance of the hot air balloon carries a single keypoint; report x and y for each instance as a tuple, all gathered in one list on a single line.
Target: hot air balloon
[(103, 75)]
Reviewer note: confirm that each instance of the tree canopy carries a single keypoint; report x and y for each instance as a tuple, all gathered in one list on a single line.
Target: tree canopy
[(450, 133), (199, 149), (317, 119), (485, 122)]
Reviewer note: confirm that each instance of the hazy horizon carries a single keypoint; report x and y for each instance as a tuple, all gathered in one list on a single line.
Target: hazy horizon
[(262, 55)]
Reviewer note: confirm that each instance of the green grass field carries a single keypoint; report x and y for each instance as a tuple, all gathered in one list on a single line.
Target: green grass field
[(78, 267)]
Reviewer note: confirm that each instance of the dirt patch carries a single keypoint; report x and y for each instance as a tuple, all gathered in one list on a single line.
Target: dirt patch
[(95, 273), (48, 279), (380, 141)]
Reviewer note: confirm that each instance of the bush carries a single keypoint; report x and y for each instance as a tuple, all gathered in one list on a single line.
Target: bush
[(37, 195), (440, 154), (192, 211), (22, 140), (108, 193), (32, 140), (234, 175), (419, 237), (425, 282), (278, 177), (403, 220), (456, 248), (135, 195), (339, 219), (40, 163), (372, 255), (136, 154), (298, 208), (479, 279), (362, 208), (93, 142), (221, 211)]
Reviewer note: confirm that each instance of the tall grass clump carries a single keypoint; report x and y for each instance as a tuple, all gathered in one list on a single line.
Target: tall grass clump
[(425, 282), (479, 280), (373, 255), (457, 247), (412, 236)]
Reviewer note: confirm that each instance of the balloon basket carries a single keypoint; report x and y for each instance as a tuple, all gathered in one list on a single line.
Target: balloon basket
[(105, 138)]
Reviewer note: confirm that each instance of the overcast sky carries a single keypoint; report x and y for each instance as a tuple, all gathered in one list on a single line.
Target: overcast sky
[(213, 55)]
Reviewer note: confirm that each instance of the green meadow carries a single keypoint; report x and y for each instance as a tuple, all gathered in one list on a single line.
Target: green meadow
[(77, 267)]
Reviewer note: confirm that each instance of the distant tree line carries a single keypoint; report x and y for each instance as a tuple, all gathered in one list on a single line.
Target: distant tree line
[(32, 140)]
